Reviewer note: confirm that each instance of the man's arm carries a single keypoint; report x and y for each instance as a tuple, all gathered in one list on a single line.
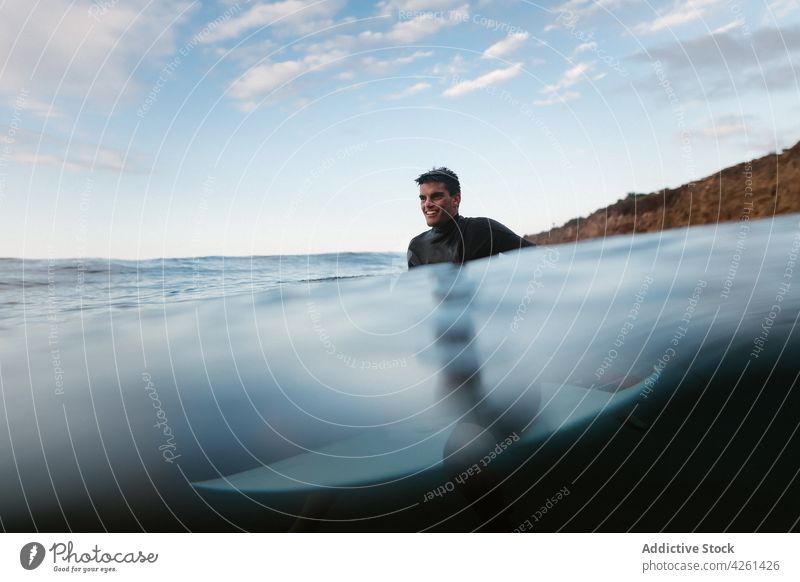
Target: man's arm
[(503, 239), (491, 238), (413, 260)]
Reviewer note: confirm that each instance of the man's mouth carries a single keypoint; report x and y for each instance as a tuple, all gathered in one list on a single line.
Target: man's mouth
[(431, 212)]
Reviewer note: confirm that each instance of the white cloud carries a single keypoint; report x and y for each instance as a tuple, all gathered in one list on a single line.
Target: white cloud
[(782, 8), (574, 11), (557, 98), (413, 90), (669, 20), (508, 45), (586, 46), (78, 49), (264, 78), (726, 130), (414, 5), (42, 149), (728, 126), (382, 66), (487, 80), (260, 80), (750, 131), (41, 109), (420, 26), (412, 57), (569, 78), (728, 27), (295, 15), (246, 55), (455, 67), (682, 12), (257, 82), (572, 76), (34, 159)]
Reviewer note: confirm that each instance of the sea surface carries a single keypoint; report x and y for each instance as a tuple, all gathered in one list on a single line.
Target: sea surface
[(653, 377), (37, 289)]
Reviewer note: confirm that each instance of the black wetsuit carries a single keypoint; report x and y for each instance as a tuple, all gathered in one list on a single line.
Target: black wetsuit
[(461, 240)]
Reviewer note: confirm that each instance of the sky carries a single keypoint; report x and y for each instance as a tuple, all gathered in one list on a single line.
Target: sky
[(142, 129)]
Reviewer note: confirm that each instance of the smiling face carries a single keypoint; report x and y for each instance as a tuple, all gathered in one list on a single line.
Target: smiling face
[(437, 204)]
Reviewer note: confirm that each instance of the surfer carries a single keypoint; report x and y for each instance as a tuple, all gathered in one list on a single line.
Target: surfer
[(454, 238)]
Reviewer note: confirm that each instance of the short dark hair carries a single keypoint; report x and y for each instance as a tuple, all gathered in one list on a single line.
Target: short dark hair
[(445, 175)]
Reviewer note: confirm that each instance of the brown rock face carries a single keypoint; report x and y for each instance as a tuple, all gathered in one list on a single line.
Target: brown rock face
[(759, 188)]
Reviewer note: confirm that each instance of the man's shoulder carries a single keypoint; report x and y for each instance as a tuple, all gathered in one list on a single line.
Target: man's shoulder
[(482, 226), (420, 237), (482, 223)]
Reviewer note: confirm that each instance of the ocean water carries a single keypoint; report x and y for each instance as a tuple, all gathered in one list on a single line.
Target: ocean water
[(38, 289), (653, 378)]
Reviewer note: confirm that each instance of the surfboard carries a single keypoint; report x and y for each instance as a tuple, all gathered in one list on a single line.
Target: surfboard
[(387, 455)]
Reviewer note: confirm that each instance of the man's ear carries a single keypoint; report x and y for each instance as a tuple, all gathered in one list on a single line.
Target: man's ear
[(457, 198)]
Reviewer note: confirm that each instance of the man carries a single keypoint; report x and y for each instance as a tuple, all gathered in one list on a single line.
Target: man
[(452, 237)]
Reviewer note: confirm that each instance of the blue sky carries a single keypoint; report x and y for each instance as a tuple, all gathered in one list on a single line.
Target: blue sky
[(140, 129)]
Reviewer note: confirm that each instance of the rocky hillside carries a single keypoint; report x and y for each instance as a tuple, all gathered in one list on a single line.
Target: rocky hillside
[(758, 188)]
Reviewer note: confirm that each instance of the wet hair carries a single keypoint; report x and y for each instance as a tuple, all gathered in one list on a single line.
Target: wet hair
[(445, 175)]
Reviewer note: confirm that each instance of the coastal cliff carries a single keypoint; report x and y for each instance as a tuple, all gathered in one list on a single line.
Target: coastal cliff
[(758, 188)]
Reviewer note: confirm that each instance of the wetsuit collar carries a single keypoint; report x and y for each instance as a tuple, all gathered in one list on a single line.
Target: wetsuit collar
[(450, 225)]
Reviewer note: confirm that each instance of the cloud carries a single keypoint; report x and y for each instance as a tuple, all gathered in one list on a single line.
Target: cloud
[(724, 130), (421, 25), (570, 77), (720, 68), (557, 98), (382, 66), (413, 90), (721, 50), (35, 148), (508, 45), (572, 11), (415, 5), (454, 68), (264, 78), (747, 130), (79, 49), (40, 108), (669, 20), (782, 8), (248, 54), (487, 80), (682, 12), (288, 15), (583, 47), (724, 64), (728, 27), (261, 80), (34, 159), (556, 92)]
